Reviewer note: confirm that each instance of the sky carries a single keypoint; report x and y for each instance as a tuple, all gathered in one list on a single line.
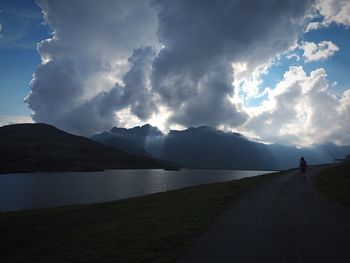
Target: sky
[(276, 71)]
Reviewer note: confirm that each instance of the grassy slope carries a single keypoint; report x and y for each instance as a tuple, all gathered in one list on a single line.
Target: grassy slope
[(334, 183), (154, 228)]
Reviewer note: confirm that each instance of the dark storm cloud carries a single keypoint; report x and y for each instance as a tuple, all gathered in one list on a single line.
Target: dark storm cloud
[(201, 39), (54, 89), (210, 104), (136, 93), (106, 56), (100, 110)]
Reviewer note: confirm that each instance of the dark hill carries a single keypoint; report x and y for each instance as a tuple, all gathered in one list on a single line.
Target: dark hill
[(42, 147)]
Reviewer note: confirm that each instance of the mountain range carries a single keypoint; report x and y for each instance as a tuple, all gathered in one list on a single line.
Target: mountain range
[(42, 147), (206, 147)]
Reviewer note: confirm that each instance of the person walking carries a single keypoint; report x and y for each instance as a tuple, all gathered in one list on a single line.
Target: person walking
[(303, 166)]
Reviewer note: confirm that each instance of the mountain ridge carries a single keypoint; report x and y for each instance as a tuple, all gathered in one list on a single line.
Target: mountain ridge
[(41, 147), (207, 147)]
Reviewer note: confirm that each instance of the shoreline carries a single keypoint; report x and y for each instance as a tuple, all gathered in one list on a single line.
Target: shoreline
[(108, 169), (99, 187), (152, 228)]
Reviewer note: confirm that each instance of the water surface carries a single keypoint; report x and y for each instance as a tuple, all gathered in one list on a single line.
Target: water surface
[(38, 190)]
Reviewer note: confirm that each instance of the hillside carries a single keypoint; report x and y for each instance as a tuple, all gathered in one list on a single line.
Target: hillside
[(206, 147), (42, 147)]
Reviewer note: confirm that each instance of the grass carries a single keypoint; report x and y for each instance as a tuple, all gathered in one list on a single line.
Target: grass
[(334, 183), (154, 228)]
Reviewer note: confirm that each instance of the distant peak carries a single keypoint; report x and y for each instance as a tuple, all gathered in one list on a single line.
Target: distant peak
[(203, 127), (144, 130), (194, 130)]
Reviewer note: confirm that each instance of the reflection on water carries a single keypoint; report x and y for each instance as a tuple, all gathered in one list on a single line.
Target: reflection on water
[(34, 190)]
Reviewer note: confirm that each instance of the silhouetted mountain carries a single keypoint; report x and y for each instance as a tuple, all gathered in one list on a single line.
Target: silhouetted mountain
[(205, 147), (145, 130), (41, 147), (131, 141)]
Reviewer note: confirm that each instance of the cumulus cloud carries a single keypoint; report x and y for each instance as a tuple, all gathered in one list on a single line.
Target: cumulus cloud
[(318, 51), (302, 110), (109, 57), (79, 84), (247, 83), (99, 111), (332, 12), (193, 72), (335, 11)]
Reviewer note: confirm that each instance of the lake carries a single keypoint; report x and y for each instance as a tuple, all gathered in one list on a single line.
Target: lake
[(39, 190)]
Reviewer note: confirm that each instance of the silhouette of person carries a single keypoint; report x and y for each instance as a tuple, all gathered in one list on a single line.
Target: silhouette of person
[(303, 166)]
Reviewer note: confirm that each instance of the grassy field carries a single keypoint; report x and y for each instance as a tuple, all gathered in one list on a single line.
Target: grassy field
[(334, 183), (154, 228)]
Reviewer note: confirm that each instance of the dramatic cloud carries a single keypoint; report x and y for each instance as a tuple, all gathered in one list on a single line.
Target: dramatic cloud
[(247, 83), (79, 84), (302, 110), (333, 12), (107, 58), (99, 111), (318, 51), (193, 72)]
